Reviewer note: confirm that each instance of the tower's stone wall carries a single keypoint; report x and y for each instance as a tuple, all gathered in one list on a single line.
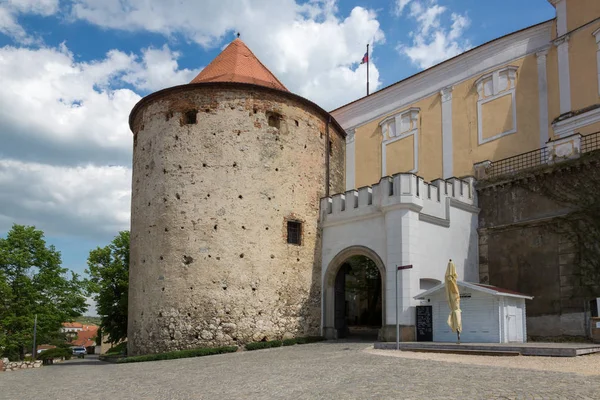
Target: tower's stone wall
[(210, 264)]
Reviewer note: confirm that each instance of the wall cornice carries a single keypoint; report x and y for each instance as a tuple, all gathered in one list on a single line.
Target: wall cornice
[(456, 70)]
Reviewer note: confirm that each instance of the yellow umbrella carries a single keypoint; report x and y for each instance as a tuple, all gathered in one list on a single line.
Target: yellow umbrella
[(453, 298)]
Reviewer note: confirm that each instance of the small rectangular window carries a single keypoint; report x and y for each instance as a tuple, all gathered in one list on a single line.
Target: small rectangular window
[(330, 148), (190, 117), (294, 232)]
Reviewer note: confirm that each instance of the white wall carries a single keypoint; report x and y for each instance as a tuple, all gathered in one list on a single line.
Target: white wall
[(480, 319), (405, 221)]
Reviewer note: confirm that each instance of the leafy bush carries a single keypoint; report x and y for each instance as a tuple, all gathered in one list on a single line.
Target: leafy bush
[(55, 353), (121, 348), (303, 340), (180, 354), (263, 345), (314, 339)]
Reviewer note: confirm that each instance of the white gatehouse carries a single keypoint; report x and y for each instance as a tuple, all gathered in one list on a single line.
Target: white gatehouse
[(400, 221)]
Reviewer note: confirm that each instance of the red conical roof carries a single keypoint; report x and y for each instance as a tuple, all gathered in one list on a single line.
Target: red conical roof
[(238, 64)]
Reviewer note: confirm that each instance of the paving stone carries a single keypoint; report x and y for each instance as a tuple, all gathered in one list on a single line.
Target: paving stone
[(316, 371)]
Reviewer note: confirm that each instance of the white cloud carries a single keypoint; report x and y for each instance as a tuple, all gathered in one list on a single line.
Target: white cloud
[(85, 201), (62, 123), (10, 10), (302, 44), (71, 108), (434, 41), (158, 70), (399, 6)]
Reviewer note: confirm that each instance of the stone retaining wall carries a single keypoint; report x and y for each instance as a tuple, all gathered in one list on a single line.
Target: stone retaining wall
[(6, 365)]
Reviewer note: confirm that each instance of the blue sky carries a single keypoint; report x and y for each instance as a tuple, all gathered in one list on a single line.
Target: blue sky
[(71, 70)]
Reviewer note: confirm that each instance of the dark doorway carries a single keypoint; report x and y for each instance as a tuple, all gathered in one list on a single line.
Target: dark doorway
[(358, 299)]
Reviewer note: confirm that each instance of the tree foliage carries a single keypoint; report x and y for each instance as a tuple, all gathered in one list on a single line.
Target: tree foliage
[(32, 282), (108, 268)]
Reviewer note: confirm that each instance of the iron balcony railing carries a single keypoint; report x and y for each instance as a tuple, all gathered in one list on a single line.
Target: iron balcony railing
[(535, 158)]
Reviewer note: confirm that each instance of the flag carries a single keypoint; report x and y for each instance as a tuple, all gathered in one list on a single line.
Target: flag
[(365, 58)]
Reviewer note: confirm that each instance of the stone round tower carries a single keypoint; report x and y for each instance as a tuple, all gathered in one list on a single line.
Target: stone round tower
[(227, 175)]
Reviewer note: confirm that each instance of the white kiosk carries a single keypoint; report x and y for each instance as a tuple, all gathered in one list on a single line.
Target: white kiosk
[(489, 314)]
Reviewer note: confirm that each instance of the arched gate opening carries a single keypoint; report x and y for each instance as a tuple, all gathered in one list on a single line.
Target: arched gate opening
[(354, 295)]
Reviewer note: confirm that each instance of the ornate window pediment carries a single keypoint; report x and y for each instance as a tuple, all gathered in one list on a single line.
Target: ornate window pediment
[(496, 105), (400, 124), (403, 125)]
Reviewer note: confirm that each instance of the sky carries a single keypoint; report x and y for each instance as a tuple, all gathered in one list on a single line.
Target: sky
[(71, 71)]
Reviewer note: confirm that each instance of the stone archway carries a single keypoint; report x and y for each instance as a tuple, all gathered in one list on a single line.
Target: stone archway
[(329, 285)]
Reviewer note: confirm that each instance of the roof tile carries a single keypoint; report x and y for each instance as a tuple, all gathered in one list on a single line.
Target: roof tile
[(237, 63)]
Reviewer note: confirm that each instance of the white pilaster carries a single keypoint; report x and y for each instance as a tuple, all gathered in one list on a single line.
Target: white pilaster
[(350, 160), (447, 149), (564, 76), (543, 95), (402, 229), (561, 16), (597, 35)]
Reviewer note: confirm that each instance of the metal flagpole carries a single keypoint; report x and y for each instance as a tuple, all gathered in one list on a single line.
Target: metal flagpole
[(368, 69)]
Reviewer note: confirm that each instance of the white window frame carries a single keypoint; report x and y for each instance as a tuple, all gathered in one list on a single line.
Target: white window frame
[(511, 72), (396, 121)]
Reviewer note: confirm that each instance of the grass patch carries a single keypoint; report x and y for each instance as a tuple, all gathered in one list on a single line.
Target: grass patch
[(286, 342), (263, 345), (172, 355)]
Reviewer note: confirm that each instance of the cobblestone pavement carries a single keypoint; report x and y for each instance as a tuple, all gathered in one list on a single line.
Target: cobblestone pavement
[(315, 371)]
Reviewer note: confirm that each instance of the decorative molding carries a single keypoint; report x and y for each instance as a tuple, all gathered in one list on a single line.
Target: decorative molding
[(350, 136), (452, 72), (493, 86), (597, 36), (350, 160), (543, 95), (447, 147), (564, 149), (564, 77), (569, 126), (391, 131), (446, 94)]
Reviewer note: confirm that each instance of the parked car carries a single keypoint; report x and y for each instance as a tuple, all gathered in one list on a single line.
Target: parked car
[(79, 351)]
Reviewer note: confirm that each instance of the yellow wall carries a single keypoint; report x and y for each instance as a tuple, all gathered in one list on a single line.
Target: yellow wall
[(399, 154), (593, 128), (497, 116), (583, 67), (580, 12), (367, 145), (467, 150)]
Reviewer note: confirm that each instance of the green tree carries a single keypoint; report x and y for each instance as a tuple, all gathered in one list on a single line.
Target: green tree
[(32, 282), (108, 268)]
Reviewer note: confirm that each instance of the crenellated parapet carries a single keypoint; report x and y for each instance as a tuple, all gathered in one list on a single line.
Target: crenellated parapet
[(431, 200)]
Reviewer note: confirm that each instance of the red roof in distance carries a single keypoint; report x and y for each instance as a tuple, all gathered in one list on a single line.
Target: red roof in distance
[(237, 63)]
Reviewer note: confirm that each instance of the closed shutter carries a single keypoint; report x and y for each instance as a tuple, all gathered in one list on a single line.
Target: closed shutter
[(479, 321)]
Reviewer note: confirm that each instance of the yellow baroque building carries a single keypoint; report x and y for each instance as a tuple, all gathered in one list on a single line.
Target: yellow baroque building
[(503, 98)]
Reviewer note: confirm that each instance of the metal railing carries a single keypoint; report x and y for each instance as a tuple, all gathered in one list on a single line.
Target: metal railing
[(590, 142), (519, 162), (536, 158)]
